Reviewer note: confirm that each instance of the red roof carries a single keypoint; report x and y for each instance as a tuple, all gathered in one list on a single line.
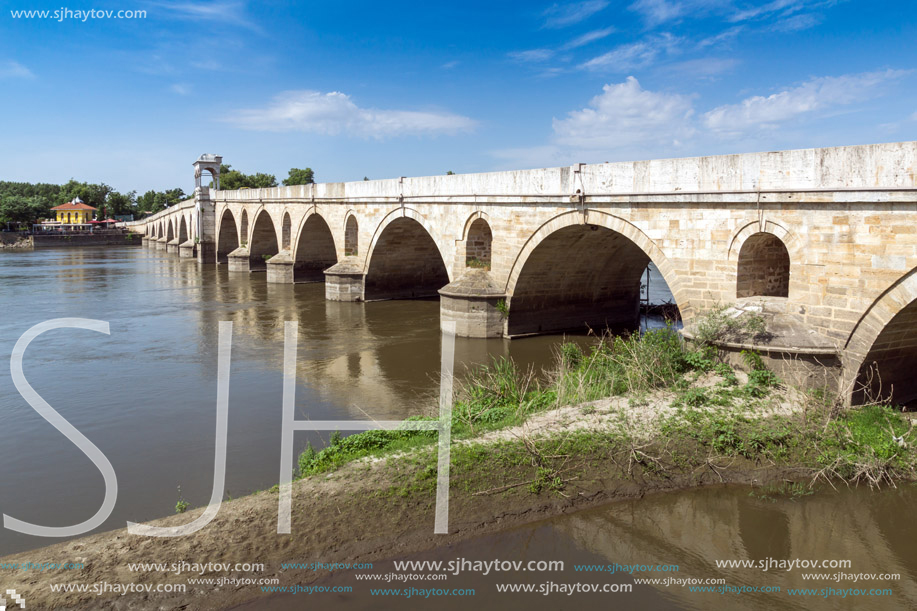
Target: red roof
[(72, 206)]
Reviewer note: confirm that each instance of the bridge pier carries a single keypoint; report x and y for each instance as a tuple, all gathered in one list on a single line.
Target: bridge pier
[(160, 244), (206, 248), (344, 280), (280, 268), (172, 246), (186, 250), (473, 303), (239, 260)]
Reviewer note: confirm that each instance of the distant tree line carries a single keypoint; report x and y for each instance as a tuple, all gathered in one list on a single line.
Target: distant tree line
[(23, 202)]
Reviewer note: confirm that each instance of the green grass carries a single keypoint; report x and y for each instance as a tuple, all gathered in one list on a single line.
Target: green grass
[(718, 418)]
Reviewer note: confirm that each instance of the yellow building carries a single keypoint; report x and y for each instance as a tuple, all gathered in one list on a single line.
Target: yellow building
[(74, 213)]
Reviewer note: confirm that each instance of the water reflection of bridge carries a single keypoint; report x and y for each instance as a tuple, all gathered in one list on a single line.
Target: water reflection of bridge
[(695, 529)]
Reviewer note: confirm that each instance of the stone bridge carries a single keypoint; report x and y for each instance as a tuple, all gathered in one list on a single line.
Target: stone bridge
[(822, 242)]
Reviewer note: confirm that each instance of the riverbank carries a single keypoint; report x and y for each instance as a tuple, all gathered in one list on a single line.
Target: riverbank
[(628, 418), (15, 240)]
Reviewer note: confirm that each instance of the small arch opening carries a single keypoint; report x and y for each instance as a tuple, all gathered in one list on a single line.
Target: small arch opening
[(244, 237), (351, 236), (285, 230), (763, 268), (478, 245)]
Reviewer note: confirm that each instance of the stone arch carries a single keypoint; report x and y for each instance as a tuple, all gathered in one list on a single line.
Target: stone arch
[(170, 235), (286, 230), (478, 242), (182, 231), (243, 236), (315, 250), (410, 213), (404, 260), (227, 236), (763, 267), (570, 274), (884, 340), (351, 236), (264, 243)]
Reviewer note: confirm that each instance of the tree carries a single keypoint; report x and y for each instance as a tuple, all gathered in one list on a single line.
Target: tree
[(21, 209), (234, 179), (450, 173), (120, 203), (299, 177)]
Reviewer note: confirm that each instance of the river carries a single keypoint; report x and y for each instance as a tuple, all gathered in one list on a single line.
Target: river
[(146, 395)]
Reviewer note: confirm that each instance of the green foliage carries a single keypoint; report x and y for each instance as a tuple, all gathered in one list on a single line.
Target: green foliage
[(620, 364), (862, 445), (22, 209), (182, 505), (721, 324), (234, 179), (477, 263), (702, 359), (299, 177), (342, 450), (154, 201), (503, 308)]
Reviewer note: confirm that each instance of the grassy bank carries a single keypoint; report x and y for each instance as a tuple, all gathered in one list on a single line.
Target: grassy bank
[(637, 407)]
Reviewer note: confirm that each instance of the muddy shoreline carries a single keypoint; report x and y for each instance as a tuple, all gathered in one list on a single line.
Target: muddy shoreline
[(346, 516)]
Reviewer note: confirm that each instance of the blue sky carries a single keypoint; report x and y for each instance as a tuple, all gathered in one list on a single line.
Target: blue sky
[(386, 89)]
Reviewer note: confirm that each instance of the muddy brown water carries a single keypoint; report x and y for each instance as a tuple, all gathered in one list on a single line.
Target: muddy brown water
[(145, 395)]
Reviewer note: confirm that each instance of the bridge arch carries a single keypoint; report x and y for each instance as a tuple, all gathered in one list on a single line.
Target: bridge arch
[(314, 251), (170, 234), (881, 351), (264, 243), (351, 235), (182, 231), (570, 274), (227, 236), (404, 259)]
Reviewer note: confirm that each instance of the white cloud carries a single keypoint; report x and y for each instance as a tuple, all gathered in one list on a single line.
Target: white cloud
[(532, 55), (759, 112), (658, 11), (561, 16), (222, 11), (633, 56), (787, 6), (450, 65), (703, 68), (13, 69), (723, 37), (913, 117), (797, 23), (335, 113), (181, 89), (624, 115), (588, 37)]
